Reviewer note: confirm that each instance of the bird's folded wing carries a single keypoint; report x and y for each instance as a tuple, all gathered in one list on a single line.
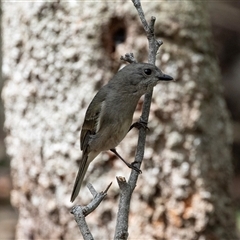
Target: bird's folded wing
[(92, 119)]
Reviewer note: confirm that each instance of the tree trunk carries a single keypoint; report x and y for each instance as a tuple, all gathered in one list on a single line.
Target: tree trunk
[(57, 55), (2, 148)]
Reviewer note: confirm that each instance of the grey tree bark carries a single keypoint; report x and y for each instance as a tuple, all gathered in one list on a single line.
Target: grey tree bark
[(2, 148), (56, 57)]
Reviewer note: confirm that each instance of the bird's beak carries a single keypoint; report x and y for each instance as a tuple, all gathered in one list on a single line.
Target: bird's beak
[(165, 77)]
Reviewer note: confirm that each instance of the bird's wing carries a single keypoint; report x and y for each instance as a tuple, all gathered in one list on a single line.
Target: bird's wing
[(88, 129), (91, 119)]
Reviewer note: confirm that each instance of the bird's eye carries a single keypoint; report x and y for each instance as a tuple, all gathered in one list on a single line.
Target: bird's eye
[(148, 71)]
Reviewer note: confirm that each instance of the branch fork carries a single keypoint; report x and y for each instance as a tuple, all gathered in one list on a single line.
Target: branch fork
[(80, 212)]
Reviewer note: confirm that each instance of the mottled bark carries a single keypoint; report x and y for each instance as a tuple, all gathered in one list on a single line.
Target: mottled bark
[(2, 148), (56, 57)]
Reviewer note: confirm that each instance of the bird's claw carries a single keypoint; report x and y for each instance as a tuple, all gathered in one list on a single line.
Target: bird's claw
[(135, 168), (140, 124)]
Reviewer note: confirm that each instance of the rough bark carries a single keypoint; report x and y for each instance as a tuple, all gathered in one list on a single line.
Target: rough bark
[(56, 57), (2, 148)]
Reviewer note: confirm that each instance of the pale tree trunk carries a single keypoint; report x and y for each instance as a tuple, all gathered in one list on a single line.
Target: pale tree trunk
[(2, 148), (56, 56)]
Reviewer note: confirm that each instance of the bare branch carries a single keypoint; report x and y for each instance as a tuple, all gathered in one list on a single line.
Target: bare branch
[(80, 219), (121, 231), (129, 57), (127, 188), (123, 211), (138, 6), (107, 187), (80, 212), (151, 24)]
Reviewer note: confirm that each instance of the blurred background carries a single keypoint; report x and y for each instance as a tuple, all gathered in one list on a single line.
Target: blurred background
[(225, 19)]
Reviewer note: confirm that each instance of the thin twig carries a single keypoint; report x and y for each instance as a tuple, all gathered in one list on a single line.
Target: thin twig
[(80, 212), (153, 48), (121, 231), (129, 57)]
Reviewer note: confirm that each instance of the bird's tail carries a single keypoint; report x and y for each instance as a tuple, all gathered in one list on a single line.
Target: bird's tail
[(80, 176)]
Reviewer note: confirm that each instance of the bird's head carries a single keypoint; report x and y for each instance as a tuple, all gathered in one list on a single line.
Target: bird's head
[(139, 78)]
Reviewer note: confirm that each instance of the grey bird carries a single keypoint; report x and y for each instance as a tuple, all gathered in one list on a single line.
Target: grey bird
[(109, 115)]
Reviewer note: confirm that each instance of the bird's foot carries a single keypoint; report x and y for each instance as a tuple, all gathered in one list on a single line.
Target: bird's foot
[(129, 165), (135, 168), (140, 124)]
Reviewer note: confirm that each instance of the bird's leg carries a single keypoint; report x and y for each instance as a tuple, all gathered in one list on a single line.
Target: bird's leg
[(129, 165), (139, 124)]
